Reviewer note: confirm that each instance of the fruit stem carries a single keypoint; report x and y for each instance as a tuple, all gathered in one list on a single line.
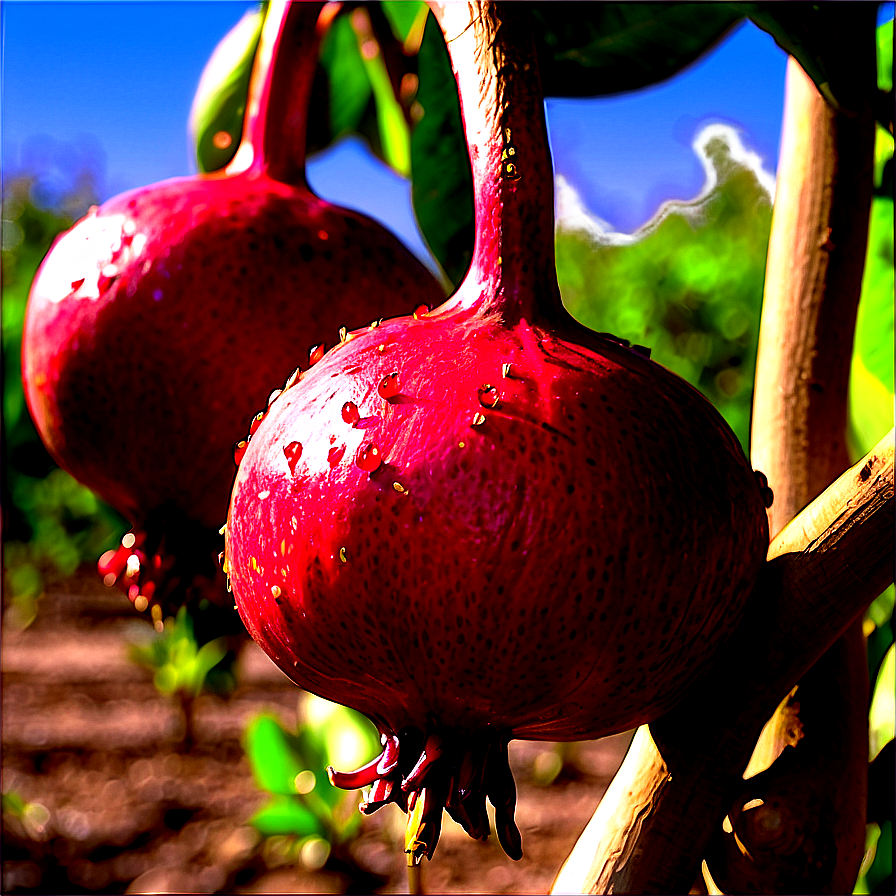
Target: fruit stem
[(502, 105), (274, 129)]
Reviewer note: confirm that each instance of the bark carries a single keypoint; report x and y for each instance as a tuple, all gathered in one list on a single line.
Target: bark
[(653, 826)]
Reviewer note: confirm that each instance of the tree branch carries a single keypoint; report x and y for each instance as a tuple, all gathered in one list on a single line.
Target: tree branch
[(824, 568)]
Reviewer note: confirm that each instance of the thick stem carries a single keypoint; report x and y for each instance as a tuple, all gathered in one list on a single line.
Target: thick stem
[(823, 570), (502, 105), (275, 124)]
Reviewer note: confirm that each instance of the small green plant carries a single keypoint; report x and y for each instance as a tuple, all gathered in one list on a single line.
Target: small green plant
[(181, 666), (305, 819)]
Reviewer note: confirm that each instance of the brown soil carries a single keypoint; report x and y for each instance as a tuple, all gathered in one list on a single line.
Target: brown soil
[(118, 805)]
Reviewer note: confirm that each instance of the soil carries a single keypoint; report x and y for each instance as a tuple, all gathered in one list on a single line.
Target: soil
[(118, 804)]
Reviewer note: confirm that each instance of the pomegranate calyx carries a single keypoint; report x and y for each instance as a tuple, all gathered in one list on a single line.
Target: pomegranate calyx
[(455, 770)]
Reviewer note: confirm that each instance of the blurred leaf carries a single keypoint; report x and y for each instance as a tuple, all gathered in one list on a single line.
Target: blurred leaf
[(407, 19), (274, 754), (596, 49), (219, 105), (442, 182), (883, 705), (283, 816), (348, 82), (885, 56)]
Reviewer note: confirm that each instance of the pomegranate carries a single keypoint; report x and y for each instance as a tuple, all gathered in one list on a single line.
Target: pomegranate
[(156, 325), (485, 522)]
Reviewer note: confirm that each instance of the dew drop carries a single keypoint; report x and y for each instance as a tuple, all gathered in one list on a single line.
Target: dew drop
[(106, 278), (461, 444), (399, 488), (342, 556), (350, 413), (478, 419), (264, 495), (369, 458), (239, 450), (388, 387), (256, 422), (275, 591), (488, 396), (315, 354), (420, 310), (381, 347), (335, 455), (323, 235), (292, 452)]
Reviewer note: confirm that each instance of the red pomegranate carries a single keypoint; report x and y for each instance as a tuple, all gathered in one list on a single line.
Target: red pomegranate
[(157, 325), (486, 522)]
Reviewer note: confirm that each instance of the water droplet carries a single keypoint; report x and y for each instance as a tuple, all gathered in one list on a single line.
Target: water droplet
[(315, 354), (343, 332), (420, 310), (350, 413), (293, 451), (461, 444), (274, 396), (239, 450), (275, 591), (369, 458), (335, 455), (381, 347), (140, 603), (488, 396), (256, 422), (323, 235), (76, 284), (388, 387), (478, 419), (342, 556), (263, 495), (399, 488), (106, 278), (293, 378), (505, 371)]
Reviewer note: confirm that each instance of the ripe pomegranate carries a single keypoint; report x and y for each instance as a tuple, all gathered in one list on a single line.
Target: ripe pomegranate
[(157, 324), (485, 522)]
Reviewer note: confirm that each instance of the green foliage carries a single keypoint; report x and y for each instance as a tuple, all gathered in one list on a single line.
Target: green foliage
[(52, 524), (302, 805), (219, 105), (689, 285), (179, 664)]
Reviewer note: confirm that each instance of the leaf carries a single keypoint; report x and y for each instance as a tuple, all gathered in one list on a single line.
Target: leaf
[(883, 705), (442, 182), (274, 755), (828, 41), (216, 116), (407, 18), (283, 816), (596, 49), (885, 56), (349, 85)]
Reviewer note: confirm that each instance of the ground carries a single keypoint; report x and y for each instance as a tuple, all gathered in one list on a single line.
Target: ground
[(118, 805)]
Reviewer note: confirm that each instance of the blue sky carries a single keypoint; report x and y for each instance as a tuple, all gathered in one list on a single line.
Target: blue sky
[(117, 79)]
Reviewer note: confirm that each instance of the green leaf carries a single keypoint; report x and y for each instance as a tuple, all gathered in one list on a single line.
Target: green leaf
[(274, 754), (219, 105), (283, 816), (885, 56), (442, 182), (349, 85), (407, 19), (595, 49), (883, 705)]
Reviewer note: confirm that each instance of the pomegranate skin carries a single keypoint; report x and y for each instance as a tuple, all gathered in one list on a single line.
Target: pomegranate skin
[(556, 539), (157, 325)]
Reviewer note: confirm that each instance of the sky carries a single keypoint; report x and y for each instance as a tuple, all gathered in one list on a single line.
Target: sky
[(116, 79)]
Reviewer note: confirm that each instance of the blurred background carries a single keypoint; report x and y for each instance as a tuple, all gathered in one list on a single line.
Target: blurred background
[(115, 733)]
